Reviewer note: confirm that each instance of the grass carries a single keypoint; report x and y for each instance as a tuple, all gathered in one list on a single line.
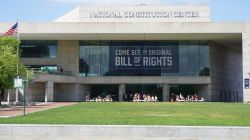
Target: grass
[(195, 114)]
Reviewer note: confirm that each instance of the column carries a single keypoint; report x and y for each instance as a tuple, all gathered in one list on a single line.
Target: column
[(122, 90), (80, 92), (205, 92), (246, 64), (165, 92), (49, 91)]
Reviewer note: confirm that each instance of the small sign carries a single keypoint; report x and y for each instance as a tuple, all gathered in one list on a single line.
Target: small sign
[(18, 83), (247, 83)]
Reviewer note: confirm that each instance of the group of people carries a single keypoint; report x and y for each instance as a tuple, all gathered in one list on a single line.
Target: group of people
[(188, 98), (107, 98), (141, 97)]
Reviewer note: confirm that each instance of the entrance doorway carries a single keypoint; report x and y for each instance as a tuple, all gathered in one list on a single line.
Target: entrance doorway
[(185, 91), (143, 89), (103, 91)]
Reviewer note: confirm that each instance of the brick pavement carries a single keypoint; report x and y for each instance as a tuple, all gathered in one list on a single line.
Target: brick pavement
[(18, 110)]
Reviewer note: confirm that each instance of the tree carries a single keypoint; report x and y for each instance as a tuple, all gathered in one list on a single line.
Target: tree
[(8, 63)]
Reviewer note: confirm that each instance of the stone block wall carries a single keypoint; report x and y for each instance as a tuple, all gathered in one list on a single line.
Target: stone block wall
[(70, 92), (37, 92), (226, 73)]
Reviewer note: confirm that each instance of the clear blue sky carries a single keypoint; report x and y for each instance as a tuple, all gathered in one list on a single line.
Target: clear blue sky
[(48, 10)]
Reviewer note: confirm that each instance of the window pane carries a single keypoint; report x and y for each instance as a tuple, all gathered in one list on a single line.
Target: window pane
[(39, 49), (204, 61), (94, 58), (183, 59), (193, 67), (104, 58), (84, 59)]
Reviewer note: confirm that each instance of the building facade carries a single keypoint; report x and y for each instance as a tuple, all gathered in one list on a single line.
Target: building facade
[(125, 49)]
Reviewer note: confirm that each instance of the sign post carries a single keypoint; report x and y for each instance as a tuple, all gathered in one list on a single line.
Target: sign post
[(18, 82)]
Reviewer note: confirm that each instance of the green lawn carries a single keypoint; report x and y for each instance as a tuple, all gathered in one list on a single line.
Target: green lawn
[(215, 114)]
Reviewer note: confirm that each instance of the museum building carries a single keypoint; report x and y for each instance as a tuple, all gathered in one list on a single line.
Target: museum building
[(121, 50)]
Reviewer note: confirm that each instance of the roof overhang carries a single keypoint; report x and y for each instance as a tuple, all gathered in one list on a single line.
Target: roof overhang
[(129, 31)]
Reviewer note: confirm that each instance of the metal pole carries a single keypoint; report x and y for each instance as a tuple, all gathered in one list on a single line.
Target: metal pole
[(17, 65), (24, 100), (17, 48), (24, 93)]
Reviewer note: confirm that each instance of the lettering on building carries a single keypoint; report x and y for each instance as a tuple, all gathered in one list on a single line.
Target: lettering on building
[(144, 14), (139, 58)]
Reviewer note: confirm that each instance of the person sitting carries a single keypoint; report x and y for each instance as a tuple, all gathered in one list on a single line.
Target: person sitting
[(192, 98), (156, 99), (98, 99), (87, 98), (180, 98), (135, 98), (188, 99), (153, 99), (201, 99), (195, 97), (92, 100), (172, 98)]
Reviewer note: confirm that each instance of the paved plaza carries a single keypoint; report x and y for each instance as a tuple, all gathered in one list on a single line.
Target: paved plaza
[(18, 110)]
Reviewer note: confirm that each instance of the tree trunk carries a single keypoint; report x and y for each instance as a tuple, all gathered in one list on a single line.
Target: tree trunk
[(1, 95)]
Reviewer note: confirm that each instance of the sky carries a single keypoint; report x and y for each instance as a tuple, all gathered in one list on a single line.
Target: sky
[(48, 10)]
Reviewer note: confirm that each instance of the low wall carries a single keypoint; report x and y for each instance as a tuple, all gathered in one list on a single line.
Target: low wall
[(197, 132)]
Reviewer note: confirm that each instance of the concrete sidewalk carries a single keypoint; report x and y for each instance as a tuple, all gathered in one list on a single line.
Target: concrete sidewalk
[(121, 132), (112, 138), (18, 110)]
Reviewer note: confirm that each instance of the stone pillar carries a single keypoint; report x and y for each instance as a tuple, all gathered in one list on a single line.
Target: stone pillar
[(80, 92), (49, 91), (67, 58), (122, 90), (86, 91), (165, 92), (246, 63)]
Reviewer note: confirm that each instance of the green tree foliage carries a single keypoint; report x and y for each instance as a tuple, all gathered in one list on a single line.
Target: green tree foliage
[(8, 63)]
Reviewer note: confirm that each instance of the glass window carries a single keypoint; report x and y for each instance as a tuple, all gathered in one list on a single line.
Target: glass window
[(44, 68), (183, 59), (204, 60), (192, 58), (193, 53), (104, 56), (38, 49), (95, 61), (84, 60)]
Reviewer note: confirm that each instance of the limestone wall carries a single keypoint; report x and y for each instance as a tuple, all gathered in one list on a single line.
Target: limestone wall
[(226, 73), (70, 92), (37, 92)]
